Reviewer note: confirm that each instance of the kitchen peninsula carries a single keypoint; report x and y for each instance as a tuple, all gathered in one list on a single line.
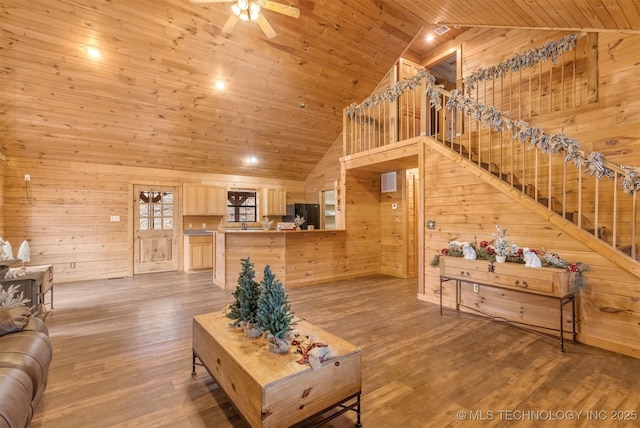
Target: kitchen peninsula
[(297, 258)]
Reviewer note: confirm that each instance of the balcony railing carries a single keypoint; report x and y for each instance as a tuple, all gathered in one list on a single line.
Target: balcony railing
[(597, 195)]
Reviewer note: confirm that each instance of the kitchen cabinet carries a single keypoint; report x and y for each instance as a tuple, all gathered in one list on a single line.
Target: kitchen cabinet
[(274, 202), (202, 199), (198, 252), (216, 201)]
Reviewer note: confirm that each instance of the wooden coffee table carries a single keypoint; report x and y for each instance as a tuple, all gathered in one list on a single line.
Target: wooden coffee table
[(273, 390)]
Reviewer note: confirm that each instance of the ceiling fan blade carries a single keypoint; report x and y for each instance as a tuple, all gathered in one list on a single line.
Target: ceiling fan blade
[(266, 27), (280, 8), (231, 22), (212, 1)]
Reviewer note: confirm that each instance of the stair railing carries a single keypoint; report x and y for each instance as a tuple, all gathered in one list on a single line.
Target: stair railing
[(503, 146)]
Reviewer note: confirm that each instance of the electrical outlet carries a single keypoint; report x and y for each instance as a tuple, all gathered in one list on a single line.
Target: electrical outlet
[(27, 177), (475, 288)]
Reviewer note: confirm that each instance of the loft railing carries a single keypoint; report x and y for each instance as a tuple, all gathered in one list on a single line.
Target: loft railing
[(559, 174)]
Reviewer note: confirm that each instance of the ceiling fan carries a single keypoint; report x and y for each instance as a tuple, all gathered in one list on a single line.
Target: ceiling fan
[(249, 10)]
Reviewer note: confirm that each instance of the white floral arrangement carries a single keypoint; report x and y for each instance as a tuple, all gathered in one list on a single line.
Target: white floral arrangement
[(266, 223), (299, 221), (11, 297), (501, 245)]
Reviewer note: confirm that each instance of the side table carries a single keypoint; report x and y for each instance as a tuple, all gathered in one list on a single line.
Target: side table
[(35, 285)]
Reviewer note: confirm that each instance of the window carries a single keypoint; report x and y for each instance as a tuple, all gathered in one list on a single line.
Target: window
[(156, 210), (242, 205)]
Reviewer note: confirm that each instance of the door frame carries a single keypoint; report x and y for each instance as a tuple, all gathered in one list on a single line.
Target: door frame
[(131, 216)]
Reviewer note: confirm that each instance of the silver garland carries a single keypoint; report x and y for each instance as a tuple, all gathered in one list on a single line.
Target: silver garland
[(434, 92), (593, 163), (550, 51)]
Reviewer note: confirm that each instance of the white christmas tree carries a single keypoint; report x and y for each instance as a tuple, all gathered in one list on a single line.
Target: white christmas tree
[(3, 256), (24, 252), (8, 251)]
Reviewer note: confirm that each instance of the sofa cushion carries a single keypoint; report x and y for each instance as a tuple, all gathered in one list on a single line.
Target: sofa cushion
[(16, 391), (13, 319), (36, 324), (29, 351)]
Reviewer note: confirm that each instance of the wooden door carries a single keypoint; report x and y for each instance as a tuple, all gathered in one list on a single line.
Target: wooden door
[(155, 246)]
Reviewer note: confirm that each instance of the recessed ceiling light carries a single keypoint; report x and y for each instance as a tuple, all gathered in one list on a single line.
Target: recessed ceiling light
[(94, 51), (429, 38), (220, 85), (252, 160)]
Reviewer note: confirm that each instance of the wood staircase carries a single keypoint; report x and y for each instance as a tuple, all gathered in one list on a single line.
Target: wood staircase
[(603, 233)]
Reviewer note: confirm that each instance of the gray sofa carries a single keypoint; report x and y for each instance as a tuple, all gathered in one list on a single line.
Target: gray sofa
[(25, 355)]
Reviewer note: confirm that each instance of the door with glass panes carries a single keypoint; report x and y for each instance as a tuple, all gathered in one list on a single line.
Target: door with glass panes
[(155, 246)]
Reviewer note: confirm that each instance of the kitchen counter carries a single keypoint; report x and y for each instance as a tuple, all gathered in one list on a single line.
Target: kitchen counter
[(276, 231), (297, 257), (197, 232)]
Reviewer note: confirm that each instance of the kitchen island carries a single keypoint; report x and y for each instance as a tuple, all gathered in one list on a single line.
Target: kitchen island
[(297, 257)]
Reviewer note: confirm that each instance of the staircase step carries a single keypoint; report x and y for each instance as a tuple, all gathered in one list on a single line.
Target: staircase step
[(554, 206), (627, 250)]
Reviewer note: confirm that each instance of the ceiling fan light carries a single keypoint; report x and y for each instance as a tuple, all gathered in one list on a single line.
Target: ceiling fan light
[(254, 11), (240, 13), (243, 4)]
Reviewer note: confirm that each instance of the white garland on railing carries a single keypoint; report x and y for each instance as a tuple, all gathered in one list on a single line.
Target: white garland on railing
[(434, 92), (550, 50), (592, 162)]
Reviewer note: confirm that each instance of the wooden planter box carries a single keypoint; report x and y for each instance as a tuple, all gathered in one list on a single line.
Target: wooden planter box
[(272, 390)]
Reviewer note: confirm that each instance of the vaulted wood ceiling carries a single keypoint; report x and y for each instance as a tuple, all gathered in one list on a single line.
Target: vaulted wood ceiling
[(151, 101)]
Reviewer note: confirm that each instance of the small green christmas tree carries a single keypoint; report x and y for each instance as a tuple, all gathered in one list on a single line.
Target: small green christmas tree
[(274, 310), (245, 307)]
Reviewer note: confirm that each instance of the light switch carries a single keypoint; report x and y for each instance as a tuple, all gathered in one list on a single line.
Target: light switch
[(115, 218)]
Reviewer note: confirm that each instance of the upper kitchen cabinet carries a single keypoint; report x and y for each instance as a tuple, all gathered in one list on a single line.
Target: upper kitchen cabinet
[(274, 202), (216, 201), (201, 199)]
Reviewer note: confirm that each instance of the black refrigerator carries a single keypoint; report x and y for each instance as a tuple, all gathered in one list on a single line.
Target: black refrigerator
[(310, 212)]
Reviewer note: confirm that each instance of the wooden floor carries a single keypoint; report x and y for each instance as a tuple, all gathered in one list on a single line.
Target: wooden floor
[(122, 357)]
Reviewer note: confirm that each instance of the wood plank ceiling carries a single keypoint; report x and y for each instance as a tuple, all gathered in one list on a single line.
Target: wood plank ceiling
[(151, 99)]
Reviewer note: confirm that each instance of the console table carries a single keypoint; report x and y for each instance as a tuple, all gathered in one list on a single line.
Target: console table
[(273, 390), (37, 282), (554, 283)]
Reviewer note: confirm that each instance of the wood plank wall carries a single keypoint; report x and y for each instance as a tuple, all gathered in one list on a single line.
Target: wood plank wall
[(466, 208), (610, 125), (2, 168), (393, 254), (325, 173), (362, 222), (398, 227), (66, 217)]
